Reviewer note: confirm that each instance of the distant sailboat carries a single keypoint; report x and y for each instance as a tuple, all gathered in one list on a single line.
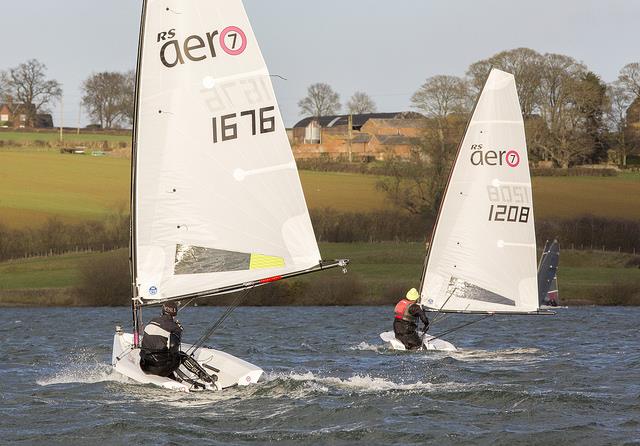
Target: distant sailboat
[(482, 256), (548, 294), (217, 204)]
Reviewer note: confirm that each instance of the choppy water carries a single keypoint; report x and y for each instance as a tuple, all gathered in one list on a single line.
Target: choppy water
[(569, 379)]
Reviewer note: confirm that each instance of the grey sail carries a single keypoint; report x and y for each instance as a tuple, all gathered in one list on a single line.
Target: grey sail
[(547, 274)]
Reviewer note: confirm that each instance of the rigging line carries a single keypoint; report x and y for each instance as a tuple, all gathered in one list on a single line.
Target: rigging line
[(182, 307), (460, 327), (235, 304), (440, 316)]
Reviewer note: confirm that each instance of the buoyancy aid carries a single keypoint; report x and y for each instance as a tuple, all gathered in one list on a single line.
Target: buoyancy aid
[(402, 311)]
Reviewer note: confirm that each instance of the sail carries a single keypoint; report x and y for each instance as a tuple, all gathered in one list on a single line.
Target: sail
[(547, 274), (482, 257), (217, 199)]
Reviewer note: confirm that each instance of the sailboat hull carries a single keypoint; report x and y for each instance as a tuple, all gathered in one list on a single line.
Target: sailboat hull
[(428, 343), (232, 371)]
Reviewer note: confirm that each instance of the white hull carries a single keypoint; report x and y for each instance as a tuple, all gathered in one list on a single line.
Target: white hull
[(233, 371), (428, 343)]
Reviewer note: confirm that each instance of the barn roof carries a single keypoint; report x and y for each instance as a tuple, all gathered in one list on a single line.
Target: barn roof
[(358, 120)]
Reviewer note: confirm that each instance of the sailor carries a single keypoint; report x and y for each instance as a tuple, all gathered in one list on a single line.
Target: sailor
[(160, 352), (405, 325)]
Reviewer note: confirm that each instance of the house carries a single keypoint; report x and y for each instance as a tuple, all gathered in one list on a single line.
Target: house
[(366, 137), (14, 115)]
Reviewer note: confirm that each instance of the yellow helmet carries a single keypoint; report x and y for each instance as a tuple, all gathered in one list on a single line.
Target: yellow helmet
[(413, 295)]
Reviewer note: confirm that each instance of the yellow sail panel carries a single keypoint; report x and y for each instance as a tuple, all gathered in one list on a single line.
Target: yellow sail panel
[(259, 261)]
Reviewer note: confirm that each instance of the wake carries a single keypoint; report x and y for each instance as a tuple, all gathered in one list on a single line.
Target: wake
[(83, 373)]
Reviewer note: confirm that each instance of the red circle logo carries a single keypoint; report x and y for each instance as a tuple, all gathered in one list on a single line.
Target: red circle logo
[(513, 158), (233, 41)]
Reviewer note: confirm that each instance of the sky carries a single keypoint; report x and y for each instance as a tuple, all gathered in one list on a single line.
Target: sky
[(384, 48)]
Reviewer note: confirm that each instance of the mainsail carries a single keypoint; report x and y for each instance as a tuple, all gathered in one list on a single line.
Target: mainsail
[(547, 274), (217, 199), (482, 257)]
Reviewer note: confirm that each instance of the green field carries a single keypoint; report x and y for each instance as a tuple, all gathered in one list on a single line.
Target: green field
[(383, 271), (37, 185)]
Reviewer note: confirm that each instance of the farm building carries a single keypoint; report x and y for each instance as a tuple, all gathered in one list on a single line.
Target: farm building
[(15, 115), (364, 137)]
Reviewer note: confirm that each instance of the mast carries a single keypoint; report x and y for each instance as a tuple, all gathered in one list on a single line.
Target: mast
[(134, 151)]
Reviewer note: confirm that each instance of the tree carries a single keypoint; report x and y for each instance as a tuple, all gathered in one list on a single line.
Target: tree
[(108, 97), (439, 97), (524, 63), (130, 92), (27, 84), (361, 103), (621, 99), (417, 185), (4, 85), (561, 97), (321, 100), (590, 96), (630, 78)]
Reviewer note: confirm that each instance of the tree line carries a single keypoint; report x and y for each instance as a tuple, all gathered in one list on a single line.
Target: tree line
[(57, 237), (572, 116), (108, 97)]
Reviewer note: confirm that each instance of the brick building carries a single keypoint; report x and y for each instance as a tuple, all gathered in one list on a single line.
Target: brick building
[(14, 115), (372, 136)]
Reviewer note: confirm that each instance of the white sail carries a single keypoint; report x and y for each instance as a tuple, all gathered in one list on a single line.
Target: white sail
[(483, 253), (217, 199)]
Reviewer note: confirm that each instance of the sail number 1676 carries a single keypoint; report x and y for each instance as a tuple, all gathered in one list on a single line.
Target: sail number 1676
[(225, 128)]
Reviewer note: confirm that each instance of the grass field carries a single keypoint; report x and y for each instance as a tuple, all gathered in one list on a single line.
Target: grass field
[(382, 270), (37, 185)]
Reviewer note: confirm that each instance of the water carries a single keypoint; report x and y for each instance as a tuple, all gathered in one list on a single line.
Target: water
[(569, 379)]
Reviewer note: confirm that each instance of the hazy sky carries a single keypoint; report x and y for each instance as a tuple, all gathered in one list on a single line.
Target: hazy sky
[(385, 48)]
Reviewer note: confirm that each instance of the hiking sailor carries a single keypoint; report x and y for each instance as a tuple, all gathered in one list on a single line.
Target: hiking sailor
[(405, 324), (160, 352)]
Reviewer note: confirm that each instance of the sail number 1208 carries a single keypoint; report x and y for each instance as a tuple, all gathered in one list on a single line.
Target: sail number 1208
[(512, 214), (225, 128)]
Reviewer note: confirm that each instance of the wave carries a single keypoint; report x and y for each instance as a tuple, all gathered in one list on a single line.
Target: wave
[(508, 355), (83, 374), (363, 346), (364, 383)]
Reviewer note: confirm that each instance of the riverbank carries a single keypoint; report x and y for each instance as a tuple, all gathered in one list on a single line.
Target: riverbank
[(379, 274)]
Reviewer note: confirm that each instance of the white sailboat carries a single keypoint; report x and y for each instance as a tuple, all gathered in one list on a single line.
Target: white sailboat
[(217, 204), (482, 255)]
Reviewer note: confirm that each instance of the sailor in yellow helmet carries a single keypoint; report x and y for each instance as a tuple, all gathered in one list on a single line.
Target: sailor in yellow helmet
[(405, 325)]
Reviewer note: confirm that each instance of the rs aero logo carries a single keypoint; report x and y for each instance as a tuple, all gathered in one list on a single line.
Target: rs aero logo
[(196, 48), (482, 157)]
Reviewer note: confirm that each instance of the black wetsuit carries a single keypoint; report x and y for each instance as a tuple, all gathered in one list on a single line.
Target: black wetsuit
[(160, 352), (406, 326)]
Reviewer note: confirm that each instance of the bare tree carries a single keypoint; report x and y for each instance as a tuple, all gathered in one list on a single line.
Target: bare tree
[(560, 107), (27, 84), (130, 93), (361, 103), (321, 100), (630, 78), (621, 99), (108, 98), (439, 97), (4, 85), (524, 63)]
